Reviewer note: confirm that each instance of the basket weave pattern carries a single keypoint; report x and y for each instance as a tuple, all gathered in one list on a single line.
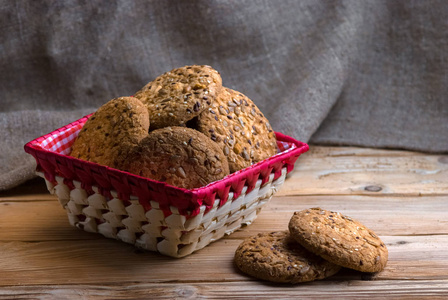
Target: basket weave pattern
[(150, 214)]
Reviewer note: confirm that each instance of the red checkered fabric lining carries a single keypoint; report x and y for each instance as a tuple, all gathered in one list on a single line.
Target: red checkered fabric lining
[(61, 142), (283, 146)]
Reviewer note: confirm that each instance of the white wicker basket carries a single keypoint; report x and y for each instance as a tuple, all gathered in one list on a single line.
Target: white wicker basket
[(150, 214), (174, 235)]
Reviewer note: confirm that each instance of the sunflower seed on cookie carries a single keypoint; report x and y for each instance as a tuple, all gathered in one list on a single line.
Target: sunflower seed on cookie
[(236, 124), (339, 239), (277, 257), (114, 128), (179, 95)]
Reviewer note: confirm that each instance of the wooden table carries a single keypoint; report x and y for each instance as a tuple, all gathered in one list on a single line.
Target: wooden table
[(401, 195)]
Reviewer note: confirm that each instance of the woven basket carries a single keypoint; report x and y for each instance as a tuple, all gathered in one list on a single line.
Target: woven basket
[(151, 214)]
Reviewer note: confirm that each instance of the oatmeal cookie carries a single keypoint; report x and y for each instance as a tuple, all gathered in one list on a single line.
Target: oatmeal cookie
[(236, 124), (115, 127), (179, 156), (339, 239), (179, 95), (277, 257)]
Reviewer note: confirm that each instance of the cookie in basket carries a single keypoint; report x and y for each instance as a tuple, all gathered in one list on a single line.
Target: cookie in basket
[(178, 96), (179, 156), (277, 257), (240, 129), (115, 127), (339, 239)]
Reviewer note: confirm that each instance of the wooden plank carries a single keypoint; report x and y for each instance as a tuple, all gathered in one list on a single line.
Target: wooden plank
[(47, 220), (32, 190), (367, 174), (107, 262), (317, 151), (37, 221), (327, 289)]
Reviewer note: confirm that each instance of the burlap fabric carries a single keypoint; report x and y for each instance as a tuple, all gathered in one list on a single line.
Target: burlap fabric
[(364, 73)]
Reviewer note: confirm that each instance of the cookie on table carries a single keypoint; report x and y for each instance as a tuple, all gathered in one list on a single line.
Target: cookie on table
[(339, 239), (179, 156), (179, 95), (115, 127), (236, 124), (277, 257)]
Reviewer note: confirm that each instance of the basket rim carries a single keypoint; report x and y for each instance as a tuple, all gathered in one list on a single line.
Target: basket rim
[(33, 147)]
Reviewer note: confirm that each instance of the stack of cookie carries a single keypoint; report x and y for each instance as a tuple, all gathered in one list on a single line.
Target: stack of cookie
[(183, 128), (317, 245)]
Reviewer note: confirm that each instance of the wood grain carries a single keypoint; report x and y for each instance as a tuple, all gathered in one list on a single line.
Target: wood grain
[(106, 261), (334, 173), (401, 195), (327, 289)]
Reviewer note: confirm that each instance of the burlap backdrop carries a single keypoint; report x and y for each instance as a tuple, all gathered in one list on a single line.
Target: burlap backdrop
[(367, 73)]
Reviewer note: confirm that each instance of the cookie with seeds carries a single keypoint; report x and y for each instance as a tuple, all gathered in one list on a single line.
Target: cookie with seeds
[(179, 95), (277, 257), (114, 128), (236, 124), (179, 156), (339, 239)]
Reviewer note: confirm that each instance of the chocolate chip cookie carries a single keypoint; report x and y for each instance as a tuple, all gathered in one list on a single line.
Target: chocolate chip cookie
[(277, 257), (180, 95), (179, 156), (339, 239), (114, 128), (236, 124)]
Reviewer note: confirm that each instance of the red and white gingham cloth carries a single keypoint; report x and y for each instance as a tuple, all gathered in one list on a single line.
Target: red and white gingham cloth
[(283, 146), (62, 141)]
